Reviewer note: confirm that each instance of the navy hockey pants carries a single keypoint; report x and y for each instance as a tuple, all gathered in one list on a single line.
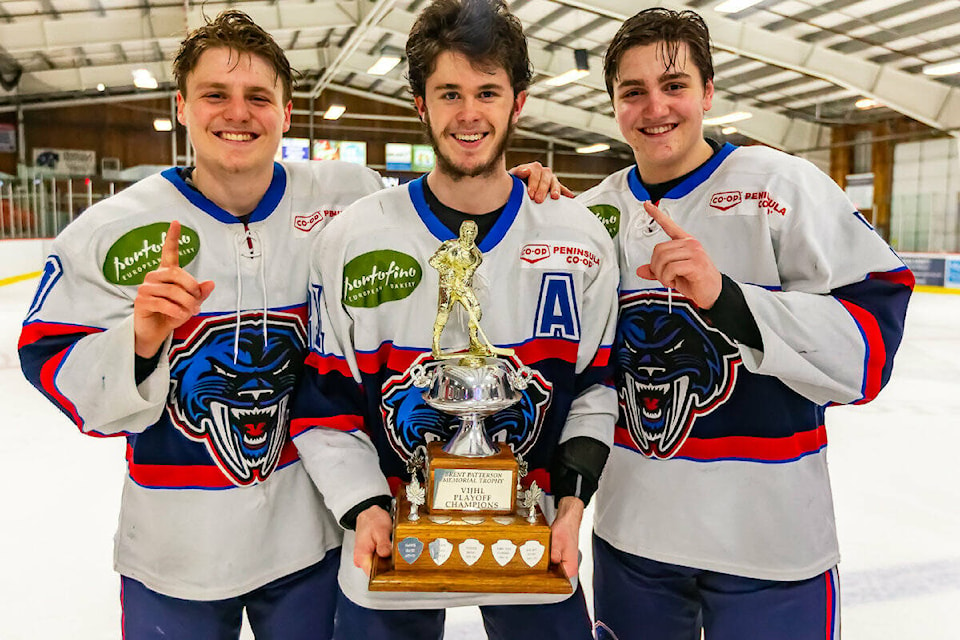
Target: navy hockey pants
[(299, 606), (640, 599), (564, 620)]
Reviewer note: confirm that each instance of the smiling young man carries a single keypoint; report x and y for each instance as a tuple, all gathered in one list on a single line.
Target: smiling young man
[(218, 515), (753, 295), (359, 418)]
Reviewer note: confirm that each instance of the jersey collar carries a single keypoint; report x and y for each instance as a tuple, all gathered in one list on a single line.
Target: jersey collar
[(442, 233), (266, 206), (694, 180)]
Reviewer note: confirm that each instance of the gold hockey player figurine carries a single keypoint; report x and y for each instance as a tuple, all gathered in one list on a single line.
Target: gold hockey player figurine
[(456, 261)]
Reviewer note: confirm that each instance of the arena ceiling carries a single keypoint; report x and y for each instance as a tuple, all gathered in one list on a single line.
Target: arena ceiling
[(797, 66)]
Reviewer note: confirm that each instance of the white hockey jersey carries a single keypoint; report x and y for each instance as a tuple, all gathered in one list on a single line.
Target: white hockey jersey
[(547, 288), (216, 501), (720, 460)]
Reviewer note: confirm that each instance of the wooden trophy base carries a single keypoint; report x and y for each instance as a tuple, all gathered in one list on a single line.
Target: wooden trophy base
[(468, 553)]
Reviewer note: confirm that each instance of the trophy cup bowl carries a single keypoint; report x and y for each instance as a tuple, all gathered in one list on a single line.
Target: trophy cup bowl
[(471, 392)]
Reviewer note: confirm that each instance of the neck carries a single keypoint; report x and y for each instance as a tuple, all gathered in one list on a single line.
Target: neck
[(476, 196), (235, 193), (653, 173)]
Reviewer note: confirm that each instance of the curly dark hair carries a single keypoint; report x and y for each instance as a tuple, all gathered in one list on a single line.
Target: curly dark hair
[(233, 30), (482, 30), (666, 28)]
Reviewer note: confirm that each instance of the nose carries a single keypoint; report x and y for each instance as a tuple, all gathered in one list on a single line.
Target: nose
[(236, 109), (656, 106), (469, 109)]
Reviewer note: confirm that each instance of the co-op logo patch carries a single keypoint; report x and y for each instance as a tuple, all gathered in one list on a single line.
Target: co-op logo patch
[(726, 200), (555, 255)]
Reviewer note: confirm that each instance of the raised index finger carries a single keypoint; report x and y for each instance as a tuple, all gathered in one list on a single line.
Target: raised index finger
[(666, 223), (169, 253)]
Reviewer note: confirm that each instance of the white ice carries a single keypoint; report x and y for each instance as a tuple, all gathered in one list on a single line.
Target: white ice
[(893, 461)]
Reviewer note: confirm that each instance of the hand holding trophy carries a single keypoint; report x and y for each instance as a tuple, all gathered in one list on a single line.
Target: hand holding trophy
[(477, 537)]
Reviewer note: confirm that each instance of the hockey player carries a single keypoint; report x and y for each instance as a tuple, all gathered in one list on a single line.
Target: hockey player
[(753, 295), (218, 513), (358, 417)]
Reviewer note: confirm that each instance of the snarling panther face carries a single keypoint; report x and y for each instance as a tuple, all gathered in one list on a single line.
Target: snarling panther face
[(411, 422), (671, 367), (239, 409)]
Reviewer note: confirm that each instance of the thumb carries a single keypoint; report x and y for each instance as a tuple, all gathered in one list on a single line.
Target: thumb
[(206, 288)]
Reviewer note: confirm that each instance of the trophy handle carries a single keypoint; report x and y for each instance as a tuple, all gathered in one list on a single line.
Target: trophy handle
[(422, 375), (520, 378)]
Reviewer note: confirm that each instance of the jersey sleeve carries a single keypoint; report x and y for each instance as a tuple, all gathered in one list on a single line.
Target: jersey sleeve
[(328, 425), (77, 348), (831, 330), (594, 409)]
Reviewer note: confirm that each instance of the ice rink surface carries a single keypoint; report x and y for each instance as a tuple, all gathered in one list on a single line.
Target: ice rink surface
[(893, 463)]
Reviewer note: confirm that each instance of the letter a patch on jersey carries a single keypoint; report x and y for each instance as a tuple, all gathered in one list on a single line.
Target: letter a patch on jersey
[(557, 312)]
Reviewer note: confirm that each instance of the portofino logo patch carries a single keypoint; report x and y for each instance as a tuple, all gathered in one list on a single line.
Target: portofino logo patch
[(376, 277), (137, 252), (609, 215)]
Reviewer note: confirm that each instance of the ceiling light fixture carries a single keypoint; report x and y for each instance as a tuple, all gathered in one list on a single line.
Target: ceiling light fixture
[(143, 79), (334, 112), (729, 118), (728, 131), (593, 148), (734, 6), (101, 86), (866, 103), (942, 68), (389, 58), (579, 71), (163, 124)]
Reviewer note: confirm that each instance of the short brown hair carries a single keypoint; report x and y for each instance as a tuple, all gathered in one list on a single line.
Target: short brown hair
[(233, 30), (482, 30), (667, 28)]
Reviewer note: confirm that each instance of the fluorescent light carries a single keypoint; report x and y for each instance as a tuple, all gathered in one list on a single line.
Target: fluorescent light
[(593, 148), (942, 68), (163, 124), (729, 118), (580, 69), (733, 6), (728, 131), (143, 79), (334, 112), (566, 77), (383, 66), (866, 103)]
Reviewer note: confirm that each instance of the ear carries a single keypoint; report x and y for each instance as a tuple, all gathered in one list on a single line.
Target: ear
[(181, 105), (421, 107), (518, 101), (708, 96), (287, 112)]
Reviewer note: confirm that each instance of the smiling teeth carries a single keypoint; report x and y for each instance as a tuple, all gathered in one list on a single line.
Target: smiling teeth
[(469, 137), (237, 137), (656, 130)]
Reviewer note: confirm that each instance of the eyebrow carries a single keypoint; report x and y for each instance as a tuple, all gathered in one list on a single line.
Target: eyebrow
[(664, 78), (451, 86), (221, 86)]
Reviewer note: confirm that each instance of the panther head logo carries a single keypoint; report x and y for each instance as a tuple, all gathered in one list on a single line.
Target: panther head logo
[(671, 367), (411, 422), (238, 405)]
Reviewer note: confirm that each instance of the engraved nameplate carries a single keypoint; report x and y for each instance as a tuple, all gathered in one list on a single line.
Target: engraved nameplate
[(503, 551), (440, 550), (472, 489), (470, 550)]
